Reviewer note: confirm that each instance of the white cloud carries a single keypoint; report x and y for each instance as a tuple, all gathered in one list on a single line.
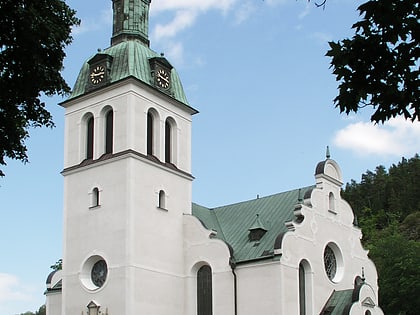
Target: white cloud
[(185, 14), (276, 2), (12, 290), (89, 25), (17, 297), (322, 38), (305, 12), (175, 52), (244, 11), (395, 138), (182, 20), (193, 5)]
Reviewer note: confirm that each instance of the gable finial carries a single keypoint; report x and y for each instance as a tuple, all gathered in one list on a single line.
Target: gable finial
[(328, 155)]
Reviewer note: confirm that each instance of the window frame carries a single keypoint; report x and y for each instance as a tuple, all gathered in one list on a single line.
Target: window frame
[(162, 200), (90, 137), (168, 141), (204, 290), (109, 131)]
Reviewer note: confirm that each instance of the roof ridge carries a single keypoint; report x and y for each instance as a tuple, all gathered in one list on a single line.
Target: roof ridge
[(260, 198), (220, 227)]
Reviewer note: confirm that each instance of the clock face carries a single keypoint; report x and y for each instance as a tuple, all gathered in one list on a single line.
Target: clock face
[(97, 74), (163, 78), (99, 273)]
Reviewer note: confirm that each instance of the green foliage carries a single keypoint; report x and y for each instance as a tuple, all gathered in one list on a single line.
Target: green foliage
[(58, 265), (33, 35), (379, 65), (410, 227), (398, 262), (41, 311), (387, 205), (396, 191)]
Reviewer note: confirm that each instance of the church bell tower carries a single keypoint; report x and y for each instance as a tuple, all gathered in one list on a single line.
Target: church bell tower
[(127, 177)]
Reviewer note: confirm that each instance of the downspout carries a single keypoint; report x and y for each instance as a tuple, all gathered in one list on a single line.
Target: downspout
[(232, 264)]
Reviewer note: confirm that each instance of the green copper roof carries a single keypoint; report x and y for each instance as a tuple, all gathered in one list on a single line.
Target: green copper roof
[(338, 302), (131, 20), (130, 59), (257, 225), (232, 222), (129, 55)]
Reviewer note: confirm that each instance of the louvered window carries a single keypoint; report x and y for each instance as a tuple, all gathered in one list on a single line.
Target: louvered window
[(109, 131)]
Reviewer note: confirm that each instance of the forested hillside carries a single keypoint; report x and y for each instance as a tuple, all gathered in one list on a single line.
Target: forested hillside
[(387, 206)]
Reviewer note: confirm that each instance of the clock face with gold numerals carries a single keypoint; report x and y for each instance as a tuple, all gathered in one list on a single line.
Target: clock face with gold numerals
[(97, 74), (163, 78)]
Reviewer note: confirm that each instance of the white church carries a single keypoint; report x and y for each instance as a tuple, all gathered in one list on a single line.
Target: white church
[(134, 243)]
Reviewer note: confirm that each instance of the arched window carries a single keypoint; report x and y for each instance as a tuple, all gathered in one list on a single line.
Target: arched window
[(150, 135), (331, 202), (168, 142), (302, 290), (89, 138), (109, 131), (204, 291), (305, 288), (95, 197), (161, 200)]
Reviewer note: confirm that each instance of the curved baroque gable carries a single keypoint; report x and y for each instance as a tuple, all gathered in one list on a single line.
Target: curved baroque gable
[(331, 169)]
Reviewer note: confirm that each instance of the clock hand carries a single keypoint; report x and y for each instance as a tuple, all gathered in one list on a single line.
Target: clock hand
[(163, 78), (93, 75)]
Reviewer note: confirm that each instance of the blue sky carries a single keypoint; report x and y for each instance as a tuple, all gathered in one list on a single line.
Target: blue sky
[(257, 72)]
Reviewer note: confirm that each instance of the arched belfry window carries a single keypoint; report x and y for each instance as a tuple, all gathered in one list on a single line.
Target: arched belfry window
[(109, 131), (150, 133), (89, 137), (168, 142), (204, 291)]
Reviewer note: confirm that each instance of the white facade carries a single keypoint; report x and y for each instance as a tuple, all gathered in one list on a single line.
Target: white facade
[(153, 253), (133, 241), (271, 286), (140, 242)]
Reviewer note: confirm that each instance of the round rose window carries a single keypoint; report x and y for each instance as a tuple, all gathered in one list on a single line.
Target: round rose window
[(330, 263), (99, 273), (333, 262), (94, 273)]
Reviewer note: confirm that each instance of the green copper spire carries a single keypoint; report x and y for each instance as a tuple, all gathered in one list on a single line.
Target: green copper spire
[(131, 21)]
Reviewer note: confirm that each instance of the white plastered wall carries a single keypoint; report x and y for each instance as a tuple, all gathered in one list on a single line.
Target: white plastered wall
[(130, 103), (367, 301), (141, 243), (200, 249), (306, 241)]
